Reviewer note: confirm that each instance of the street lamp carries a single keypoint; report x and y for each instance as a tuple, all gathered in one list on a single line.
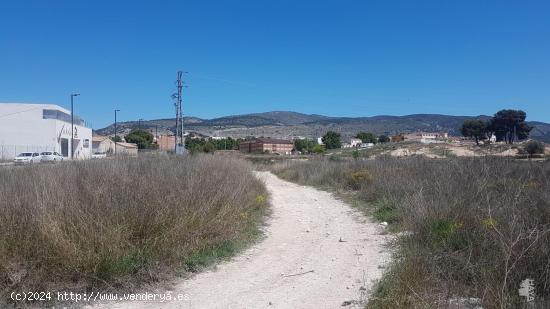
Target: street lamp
[(72, 124), (116, 136)]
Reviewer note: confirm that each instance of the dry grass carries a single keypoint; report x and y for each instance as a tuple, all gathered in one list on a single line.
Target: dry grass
[(113, 223), (476, 227)]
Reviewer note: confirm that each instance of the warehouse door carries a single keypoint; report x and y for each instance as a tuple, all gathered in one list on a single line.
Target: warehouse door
[(64, 147)]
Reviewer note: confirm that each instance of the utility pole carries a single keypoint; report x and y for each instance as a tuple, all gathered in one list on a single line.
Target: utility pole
[(72, 124), (178, 140), (116, 136)]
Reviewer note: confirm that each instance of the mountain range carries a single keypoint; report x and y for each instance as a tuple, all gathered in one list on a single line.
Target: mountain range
[(285, 124)]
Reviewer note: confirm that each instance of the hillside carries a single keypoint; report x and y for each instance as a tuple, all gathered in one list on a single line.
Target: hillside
[(282, 124), (267, 118), (540, 131)]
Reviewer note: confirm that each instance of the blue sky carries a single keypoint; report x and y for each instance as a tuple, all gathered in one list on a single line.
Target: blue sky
[(339, 58)]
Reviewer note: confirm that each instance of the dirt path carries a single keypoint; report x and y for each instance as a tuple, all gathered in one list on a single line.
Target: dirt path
[(318, 253)]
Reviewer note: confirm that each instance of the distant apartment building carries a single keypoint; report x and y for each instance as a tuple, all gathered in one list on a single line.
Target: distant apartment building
[(28, 127), (166, 142), (267, 145), (427, 137)]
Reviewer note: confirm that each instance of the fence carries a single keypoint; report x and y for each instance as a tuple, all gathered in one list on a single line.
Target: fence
[(8, 152)]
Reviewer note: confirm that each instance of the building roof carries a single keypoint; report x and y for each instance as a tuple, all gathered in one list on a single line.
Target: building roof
[(269, 141), (23, 107), (426, 132), (126, 145)]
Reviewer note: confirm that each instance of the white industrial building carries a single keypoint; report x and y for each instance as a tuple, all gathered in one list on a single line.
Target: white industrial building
[(42, 127)]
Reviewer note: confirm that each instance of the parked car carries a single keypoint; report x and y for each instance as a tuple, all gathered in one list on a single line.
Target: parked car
[(51, 157), (99, 155), (27, 158)]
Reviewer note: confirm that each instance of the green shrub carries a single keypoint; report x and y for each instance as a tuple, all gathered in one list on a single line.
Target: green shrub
[(126, 265), (447, 232), (387, 210), (383, 139), (318, 149), (534, 147), (201, 258)]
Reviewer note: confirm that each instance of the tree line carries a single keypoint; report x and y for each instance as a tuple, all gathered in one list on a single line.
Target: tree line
[(145, 140), (507, 125), (210, 145), (333, 140)]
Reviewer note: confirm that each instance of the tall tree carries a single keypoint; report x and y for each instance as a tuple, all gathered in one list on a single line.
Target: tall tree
[(383, 139), (116, 138), (209, 147), (474, 128), (195, 145), (332, 140), (304, 145), (509, 125), (367, 137), (227, 143), (143, 138)]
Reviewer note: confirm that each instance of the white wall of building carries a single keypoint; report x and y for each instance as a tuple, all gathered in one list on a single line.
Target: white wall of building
[(355, 142), (23, 128)]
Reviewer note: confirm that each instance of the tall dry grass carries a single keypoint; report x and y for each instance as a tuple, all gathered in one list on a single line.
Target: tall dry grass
[(475, 227), (113, 223)]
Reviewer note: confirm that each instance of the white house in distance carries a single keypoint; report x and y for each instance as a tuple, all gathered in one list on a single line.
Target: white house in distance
[(103, 145), (41, 127), (427, 137), (355, 142)]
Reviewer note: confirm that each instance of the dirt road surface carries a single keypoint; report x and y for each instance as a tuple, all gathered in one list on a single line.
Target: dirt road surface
[(317, 253)]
